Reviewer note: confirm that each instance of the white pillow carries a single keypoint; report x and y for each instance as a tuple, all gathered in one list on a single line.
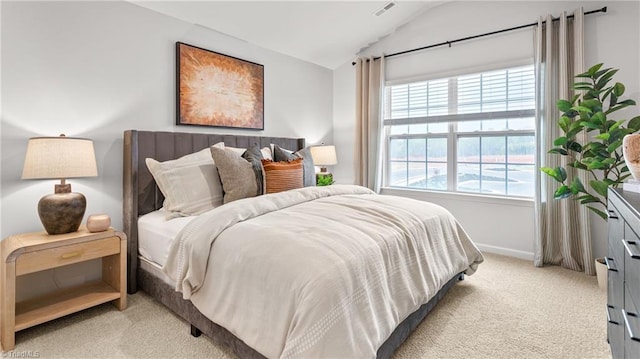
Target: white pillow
[(190, 184), (266, 151)]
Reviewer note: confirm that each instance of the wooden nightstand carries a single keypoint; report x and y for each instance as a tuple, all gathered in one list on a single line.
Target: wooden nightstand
[(34, 252)]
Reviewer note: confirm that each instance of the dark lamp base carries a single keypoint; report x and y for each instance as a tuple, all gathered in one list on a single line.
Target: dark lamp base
[(62, 212)]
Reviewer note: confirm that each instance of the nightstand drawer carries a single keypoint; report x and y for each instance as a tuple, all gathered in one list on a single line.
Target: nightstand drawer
[(60, 256)]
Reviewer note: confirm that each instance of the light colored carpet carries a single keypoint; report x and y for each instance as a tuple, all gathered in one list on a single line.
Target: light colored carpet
[(508, 309)]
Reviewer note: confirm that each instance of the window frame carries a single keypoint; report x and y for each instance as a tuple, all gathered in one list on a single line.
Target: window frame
[(452, 135)]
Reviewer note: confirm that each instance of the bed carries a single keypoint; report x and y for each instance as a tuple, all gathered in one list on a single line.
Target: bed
[(143, 199)]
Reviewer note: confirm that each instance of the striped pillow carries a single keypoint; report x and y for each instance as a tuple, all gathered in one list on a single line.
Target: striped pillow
[(282, 176)]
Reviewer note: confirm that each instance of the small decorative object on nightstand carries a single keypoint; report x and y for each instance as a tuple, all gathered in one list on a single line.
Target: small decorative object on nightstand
[(98, 222), (324, 156), (60, 158), (34, 252)]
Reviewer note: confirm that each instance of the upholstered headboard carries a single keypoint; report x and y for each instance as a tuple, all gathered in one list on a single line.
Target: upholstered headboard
[(140, 192)]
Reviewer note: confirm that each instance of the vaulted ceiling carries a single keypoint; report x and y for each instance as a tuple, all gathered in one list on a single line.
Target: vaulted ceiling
[(326, 33)]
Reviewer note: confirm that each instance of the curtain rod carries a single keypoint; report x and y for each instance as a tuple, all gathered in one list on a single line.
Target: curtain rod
[(604, 9)]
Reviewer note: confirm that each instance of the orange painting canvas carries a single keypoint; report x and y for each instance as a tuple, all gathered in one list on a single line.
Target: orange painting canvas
[(218, 90)]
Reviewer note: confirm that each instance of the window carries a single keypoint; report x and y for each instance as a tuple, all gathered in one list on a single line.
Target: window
[(472, 133)]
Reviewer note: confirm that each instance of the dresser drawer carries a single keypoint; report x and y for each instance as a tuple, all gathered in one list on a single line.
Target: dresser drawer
[(615, 285), (631, 321), (632, 267), (615, 331), (60, 256), (615, 228)]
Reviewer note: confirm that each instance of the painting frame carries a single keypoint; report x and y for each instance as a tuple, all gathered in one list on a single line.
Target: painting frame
[(218, 90)]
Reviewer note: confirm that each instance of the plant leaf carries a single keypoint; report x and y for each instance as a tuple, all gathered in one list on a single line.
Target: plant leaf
[(574, 146), (614, 146), (581, 109), (593, 69), (616, 134), (624, 177), (583, 75), (565, 123), (576, 186), (595, 164), (599, 117), (562, 192), (559, 151), (601, 72), (593, 104), (598, 212), (615, 125), (618, 89), (590, 124), (579, 165), (588, 199), (634, 123), (606, 92), (559, 174), (602, 81), (613, 100), (560, 141), (619, 107), (575, 98), (600, 187), (564, 105)]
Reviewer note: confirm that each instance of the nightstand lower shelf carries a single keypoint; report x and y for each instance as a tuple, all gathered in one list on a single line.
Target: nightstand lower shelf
[(58, 304), (34, 252)]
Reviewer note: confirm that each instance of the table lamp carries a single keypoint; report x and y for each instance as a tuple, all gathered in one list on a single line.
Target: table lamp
[(324, 156), (60, 158)]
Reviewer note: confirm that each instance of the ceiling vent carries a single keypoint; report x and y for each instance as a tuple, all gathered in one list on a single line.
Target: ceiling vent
[(385, 8)]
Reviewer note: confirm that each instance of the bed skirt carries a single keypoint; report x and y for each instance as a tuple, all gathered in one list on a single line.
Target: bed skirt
[(166, 294)]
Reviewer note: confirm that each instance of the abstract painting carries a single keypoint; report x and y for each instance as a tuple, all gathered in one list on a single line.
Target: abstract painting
[(218, 90)]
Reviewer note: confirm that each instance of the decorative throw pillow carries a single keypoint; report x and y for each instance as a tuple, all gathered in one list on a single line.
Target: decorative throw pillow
[(236, 174), (282, 176), (281, 154), (190, 184), (253, 155), (265, 151)]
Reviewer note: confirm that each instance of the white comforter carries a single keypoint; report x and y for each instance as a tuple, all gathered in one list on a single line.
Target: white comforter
[(319, 271)]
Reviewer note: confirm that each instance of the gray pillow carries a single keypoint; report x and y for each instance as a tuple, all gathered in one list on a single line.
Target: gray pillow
[(254, 156), (308, 168), (236, 174)]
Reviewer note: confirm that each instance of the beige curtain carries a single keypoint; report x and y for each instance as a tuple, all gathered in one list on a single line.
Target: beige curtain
[(562, 226), (368, 144)]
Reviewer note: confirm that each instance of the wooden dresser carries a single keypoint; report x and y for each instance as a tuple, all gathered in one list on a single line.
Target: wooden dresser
[(623, 264)]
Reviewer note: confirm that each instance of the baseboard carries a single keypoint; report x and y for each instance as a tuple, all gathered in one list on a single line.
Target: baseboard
[(505, 251)]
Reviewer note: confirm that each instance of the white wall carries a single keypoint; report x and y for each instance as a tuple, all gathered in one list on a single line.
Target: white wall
[(95, 69), (344, 114), (612, 38)]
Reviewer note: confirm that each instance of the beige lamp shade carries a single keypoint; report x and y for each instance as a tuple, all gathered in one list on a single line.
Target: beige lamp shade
[(59, 158), (324, 155)]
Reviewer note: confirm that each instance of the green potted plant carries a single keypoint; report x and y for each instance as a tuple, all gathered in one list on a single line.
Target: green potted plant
[(601, 155), (324, 179)]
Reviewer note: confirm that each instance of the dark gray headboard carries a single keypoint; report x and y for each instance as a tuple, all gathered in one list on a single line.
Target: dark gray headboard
[(140, 192)]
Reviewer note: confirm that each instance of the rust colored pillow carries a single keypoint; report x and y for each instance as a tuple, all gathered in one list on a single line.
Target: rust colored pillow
[(282, 176)]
